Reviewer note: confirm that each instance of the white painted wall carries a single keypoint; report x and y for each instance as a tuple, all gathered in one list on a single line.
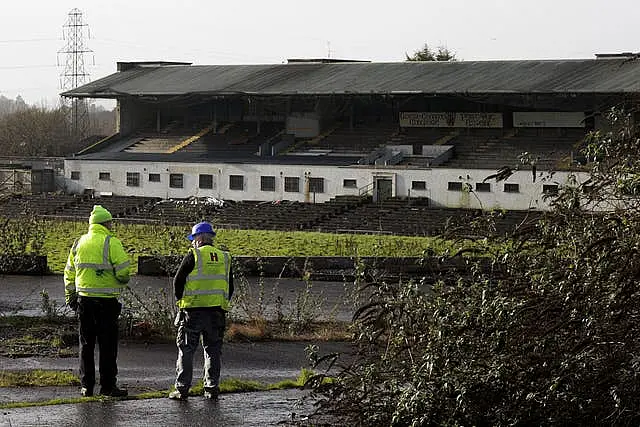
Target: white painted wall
[(437, 179)]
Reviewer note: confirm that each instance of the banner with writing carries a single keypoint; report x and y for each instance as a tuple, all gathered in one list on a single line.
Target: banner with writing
[(450, 120), (553, 119)]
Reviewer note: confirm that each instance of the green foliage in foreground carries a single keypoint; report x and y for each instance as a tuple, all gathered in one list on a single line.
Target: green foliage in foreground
[(547, 335), (141, 239)]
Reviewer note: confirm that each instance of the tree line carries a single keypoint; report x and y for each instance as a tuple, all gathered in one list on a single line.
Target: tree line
[(37, 131)]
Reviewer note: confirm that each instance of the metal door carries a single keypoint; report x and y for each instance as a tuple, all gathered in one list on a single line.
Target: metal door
[(384, 189)]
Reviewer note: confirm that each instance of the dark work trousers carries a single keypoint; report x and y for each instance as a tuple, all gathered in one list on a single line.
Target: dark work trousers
[(194, 323), (98, 319)]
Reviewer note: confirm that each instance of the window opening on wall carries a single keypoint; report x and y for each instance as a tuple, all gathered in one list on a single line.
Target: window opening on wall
[(483, 187), (104, 176), (454, 186), (512, 188), (550, 189), (350, 183), (205, 181), (75, 175), (176, 180), (154, 177), (133, 179), (291, 184), (236, 182), (418, 185), (316, 185), (267, 183)]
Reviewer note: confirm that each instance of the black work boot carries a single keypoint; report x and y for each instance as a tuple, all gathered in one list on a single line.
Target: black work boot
[(211, 393), (178, 395), (113, 392)]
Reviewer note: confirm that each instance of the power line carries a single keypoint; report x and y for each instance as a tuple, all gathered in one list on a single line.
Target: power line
[(20, 67), (26, 40)]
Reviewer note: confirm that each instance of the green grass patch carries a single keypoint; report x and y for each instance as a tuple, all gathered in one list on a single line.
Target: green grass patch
[(62, 401), (27, 340), (38, 378), (231, 385), (153, 239), (234, 385)]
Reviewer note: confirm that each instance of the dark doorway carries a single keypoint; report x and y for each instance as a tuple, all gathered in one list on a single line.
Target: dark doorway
[(383, 189)]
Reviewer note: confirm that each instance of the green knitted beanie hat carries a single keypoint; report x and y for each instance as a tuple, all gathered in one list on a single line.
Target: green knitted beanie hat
[(99, 215)]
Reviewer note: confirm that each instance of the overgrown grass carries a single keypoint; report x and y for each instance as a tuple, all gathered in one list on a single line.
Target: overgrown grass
[(234, 385), (143, 239), (23, 336), (231, 385), (264, 330), (38, 378)]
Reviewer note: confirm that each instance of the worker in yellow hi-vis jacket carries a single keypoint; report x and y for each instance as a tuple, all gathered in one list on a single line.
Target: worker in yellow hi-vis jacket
[(97, 271), (203, 287)]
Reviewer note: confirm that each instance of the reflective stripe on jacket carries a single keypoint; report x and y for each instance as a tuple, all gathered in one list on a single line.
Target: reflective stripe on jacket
[(97, 265), (208, 283)]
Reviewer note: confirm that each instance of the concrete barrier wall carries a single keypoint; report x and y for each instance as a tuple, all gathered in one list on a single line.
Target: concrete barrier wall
[(35, 265), (333, 268), (317, 267)]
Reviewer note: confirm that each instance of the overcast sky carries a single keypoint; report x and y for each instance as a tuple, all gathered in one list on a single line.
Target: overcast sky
[(269, 32)]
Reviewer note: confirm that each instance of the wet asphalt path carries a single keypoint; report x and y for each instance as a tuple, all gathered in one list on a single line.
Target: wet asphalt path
[(151, 367), (242, 409)]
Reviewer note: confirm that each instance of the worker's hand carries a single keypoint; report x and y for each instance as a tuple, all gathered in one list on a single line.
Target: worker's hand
[(179, 318), (73, 303)]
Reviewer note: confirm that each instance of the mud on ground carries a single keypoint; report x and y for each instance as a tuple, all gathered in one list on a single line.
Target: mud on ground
[(24, 336)]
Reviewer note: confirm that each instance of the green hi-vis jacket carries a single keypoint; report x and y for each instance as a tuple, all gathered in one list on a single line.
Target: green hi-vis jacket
[(208, 283), (97, 265)]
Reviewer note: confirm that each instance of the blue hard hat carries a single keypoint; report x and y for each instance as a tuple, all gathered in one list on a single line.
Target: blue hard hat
[(199, 228)]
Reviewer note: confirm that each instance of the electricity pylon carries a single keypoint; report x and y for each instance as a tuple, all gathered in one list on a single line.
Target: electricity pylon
[(74, 74)]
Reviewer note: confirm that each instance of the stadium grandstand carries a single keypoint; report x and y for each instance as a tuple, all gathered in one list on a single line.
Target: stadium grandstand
[(476, 135)]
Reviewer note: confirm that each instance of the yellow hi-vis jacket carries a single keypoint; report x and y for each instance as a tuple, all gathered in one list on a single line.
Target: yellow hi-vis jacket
[(97, 265), (208, 283)]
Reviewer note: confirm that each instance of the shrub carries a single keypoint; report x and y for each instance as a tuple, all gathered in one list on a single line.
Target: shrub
[(547, 334)]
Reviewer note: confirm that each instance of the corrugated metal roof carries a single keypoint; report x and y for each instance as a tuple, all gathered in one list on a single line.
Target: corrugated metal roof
[(620, 75)]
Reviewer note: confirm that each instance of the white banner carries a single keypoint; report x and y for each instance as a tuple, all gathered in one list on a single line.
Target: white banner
[(450, 120), (551, 119)]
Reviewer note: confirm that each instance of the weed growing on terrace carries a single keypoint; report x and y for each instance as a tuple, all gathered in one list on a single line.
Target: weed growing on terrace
[(147, 313), (250, 302), (260, 304), (49, 307), (305, 310)]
